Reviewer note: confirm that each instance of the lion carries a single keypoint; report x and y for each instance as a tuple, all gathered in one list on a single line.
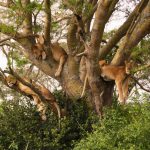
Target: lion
[(41, 107), (58, 53), (120, 74)]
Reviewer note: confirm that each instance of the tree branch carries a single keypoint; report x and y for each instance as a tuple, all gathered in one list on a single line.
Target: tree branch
[(7, 4), (140, 30), (141, 86), (99, 23), (87, 19), (27, 23), (63, 18), (47, 25), (3, 77), (25, 41), (35, 89), (92, 53), (119, 33), (17, 37)]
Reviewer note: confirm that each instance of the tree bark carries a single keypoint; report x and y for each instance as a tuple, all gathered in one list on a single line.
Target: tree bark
[(47, 25), (119, 33), (93, 71), (140, 30), (27, 23)]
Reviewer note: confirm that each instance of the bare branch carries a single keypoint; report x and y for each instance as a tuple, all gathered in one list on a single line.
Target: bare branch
[(101, 17), (82, 54), (6, 39), (47, 24), (35, 15), (141, 86), (64, 18)]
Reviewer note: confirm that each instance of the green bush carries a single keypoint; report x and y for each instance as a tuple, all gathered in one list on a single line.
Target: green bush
[(123, 128), (21, 127)]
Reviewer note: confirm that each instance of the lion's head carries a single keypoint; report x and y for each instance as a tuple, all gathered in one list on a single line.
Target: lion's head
[(11, 80)]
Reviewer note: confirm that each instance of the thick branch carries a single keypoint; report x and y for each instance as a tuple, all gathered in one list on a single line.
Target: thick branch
[(16, 37), (88, 19), (71, 36), (47, 24), (70, 75), (140, 30), (27, 23), (24, 40), (112, 8), (119, 33), (101, 17), (99, 23)]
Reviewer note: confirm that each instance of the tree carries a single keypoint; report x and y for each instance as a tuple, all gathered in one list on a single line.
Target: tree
[(25, 27)]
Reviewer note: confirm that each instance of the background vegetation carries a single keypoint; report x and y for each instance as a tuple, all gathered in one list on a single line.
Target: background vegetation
[(123, 127)]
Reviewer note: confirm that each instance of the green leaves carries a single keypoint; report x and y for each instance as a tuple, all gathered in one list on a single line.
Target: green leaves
[(6, 29), (21, 127), (125, 127)]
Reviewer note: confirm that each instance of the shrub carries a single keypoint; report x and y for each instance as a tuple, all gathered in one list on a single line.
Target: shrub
[(21, 127), (123, 128)]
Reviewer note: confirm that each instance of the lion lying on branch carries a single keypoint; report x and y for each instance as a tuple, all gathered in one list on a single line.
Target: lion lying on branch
[(41, 107)]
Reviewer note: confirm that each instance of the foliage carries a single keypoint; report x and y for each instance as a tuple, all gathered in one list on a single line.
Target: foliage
[(19, 61), (142, 50), (7, 29), (21, 127), (123, 127)]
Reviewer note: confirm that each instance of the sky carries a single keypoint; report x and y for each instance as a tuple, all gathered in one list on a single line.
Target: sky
[(3, 60)]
